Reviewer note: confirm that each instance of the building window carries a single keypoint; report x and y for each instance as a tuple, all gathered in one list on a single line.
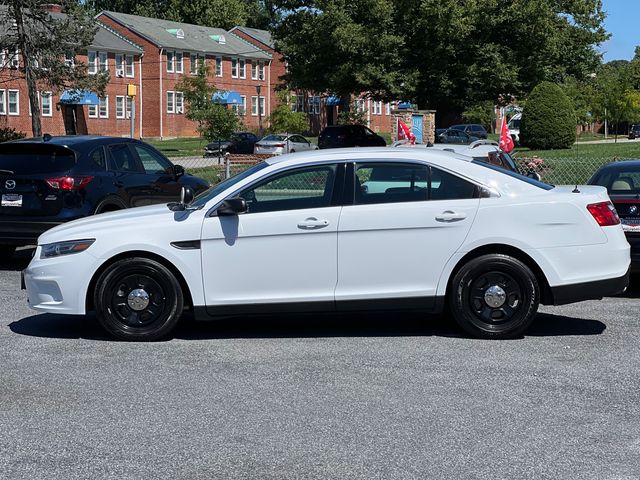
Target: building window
[(376, 108), (218, 66), (179, 62), (92, 64), (15, 60), (103, 107), (129, 106), (254, 70), (313, 105), (262, 103), (387, 108), (360, 105), (243, 68), (119, 65), (45, 100), (69, 61), (104, 66), (298, 103), (14, 102), (234, 68), (179, 102), (261, 72), (171, 61), (241, 109), (254, 106), (171, 102), (93, 111), (120, 106), (129, 66), (3, 102)]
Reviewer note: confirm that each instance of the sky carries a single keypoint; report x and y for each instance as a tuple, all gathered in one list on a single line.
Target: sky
[(622, 24)]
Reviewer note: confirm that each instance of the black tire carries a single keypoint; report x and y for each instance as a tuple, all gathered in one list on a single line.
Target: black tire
[(125, 321), (7, 251), (479, 312)]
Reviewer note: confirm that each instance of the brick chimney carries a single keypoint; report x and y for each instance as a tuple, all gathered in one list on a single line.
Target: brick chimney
[(52, 7)]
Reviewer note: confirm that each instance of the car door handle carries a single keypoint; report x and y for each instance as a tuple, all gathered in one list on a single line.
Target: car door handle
[(312, 223), (450, 216)]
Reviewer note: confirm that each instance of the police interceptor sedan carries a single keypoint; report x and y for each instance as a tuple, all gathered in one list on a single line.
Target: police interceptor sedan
[(309, 232)]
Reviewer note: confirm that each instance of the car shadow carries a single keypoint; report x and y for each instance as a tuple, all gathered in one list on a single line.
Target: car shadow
[(389, 324), (18, 261)]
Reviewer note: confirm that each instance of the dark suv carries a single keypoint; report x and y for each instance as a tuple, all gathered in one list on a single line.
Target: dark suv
[(51, 180), (240, 142), (634, 132), (338, 136)]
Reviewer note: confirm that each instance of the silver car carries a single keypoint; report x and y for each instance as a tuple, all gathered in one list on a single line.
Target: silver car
[(277, 144)]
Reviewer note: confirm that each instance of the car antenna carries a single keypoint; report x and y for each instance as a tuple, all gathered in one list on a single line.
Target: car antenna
[(575, 190)]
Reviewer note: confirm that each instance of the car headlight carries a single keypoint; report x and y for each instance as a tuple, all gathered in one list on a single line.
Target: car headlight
[(65, 248)]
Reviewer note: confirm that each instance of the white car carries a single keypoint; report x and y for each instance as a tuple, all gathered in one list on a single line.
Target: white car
[(298, 233), (277, 144)]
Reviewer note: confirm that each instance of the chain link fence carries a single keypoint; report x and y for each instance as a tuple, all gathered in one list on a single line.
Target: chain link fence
[(554, 170)]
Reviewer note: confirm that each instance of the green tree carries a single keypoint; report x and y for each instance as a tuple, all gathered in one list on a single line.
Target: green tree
[(215, 121), (482, 113), (283, 119), (548, 119), (43, 40)]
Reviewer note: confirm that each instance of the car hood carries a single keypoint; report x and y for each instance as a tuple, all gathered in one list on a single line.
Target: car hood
[(115, 223)]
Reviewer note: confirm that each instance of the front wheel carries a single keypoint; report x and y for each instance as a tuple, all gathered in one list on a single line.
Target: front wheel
[(138, 299), (494, 296)]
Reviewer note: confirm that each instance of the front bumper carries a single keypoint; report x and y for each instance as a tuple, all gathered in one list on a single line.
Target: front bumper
[(596, 290)]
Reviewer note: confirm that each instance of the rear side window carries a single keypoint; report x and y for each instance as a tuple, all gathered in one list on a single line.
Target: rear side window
[(36, 161), (122, 159)]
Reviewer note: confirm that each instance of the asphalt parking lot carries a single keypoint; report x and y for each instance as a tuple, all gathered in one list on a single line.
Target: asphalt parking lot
[(359, 396)]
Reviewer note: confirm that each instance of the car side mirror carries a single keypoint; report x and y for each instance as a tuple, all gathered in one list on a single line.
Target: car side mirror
[(178, 171), (232, 206)]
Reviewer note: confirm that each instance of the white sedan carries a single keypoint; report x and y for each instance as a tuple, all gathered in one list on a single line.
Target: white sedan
[(302, 233), (277, 144)]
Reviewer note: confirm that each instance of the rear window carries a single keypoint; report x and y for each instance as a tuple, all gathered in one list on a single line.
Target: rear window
[(35, 161), (277, 138), (620, 181)]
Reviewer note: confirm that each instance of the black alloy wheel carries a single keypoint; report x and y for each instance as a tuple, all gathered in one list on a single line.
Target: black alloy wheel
[(494, 296), (138, 299)]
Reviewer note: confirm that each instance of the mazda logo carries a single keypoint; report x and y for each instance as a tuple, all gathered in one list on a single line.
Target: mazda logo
[(633, 209), (10, 184)]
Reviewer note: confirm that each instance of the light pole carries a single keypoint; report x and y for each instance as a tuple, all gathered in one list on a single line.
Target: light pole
[(259, 110)]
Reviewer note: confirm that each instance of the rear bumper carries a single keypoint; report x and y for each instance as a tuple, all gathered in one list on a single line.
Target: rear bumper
[(15, 232), (596, 290)]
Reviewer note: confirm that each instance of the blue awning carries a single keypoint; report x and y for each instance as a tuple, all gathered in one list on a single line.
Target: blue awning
[(227, 98), (79, 97), (332, 101), (405, 105)]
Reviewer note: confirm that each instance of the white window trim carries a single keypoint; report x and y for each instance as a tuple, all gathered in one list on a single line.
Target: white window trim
[(244, 104), (221, 64), (180, 64), (387, 108), (254, 106), (242, 68), (127, 64), (171, 105), (48, 95), (106, 61), (93, 111), (120, 99), (254, 70), (17, 112), (3, 105), (120, 65), (92, 67), (171, 66), (106, 107), (262, 105), (128, 106), (237, 68), (180, 95)]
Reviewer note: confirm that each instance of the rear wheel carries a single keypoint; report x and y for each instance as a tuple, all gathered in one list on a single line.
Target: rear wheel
[(494, 296), (138, 299), (7, 251)]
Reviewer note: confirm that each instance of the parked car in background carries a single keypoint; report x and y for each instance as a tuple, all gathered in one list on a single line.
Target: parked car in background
[(514, 128), (451, 135), (298, 233), (473, 129), (339, 136), (51, 180), (277, 144), (240, 142), (622, 181), (634, 132)]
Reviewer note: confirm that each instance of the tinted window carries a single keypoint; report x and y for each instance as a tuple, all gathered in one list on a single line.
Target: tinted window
[(151, 161), (122, 159), (207, 195), (620, 181), (391, 183), (97, 160), (530, 181), (37, 161), (446, 186), (292, 190)]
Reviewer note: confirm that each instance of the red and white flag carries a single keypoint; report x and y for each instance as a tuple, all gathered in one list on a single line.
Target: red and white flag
[(506, 142), (405, 133)]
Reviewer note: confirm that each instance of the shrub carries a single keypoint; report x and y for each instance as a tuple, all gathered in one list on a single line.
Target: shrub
[(9, 133), (548, 119)]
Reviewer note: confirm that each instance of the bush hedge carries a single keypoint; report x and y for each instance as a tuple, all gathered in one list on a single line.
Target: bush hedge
[(548, 119), (9, 133)]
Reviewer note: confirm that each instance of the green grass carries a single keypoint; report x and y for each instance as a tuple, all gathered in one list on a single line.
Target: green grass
[(180, 147)]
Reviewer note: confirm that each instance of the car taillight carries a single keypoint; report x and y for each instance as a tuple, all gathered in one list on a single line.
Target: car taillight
[(278, 145), (68, 183), (604, 213)]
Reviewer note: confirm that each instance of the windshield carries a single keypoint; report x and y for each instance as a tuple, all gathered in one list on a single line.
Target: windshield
[(216, 190), (274, 138), (530, 181), (514, 124)]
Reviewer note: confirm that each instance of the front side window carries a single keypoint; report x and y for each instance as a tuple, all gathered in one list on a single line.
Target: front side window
[(297, 189), (152, 162)]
